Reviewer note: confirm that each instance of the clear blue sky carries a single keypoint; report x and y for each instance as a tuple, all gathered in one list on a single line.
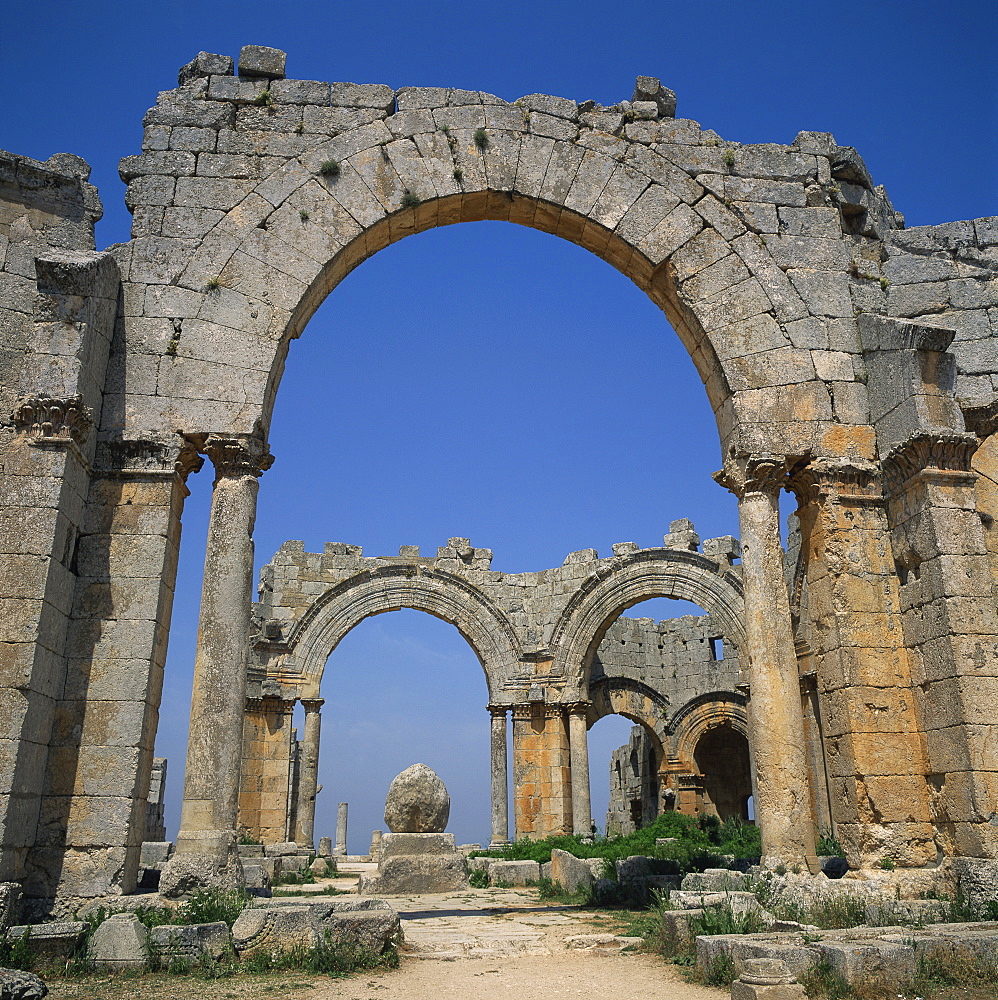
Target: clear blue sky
[(484, 380)]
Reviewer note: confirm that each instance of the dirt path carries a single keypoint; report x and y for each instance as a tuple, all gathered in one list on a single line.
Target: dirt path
[(479, 944)]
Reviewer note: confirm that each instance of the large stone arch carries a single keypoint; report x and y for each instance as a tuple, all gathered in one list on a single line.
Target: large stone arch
[(446, 596), (249, 228), (642, 575)]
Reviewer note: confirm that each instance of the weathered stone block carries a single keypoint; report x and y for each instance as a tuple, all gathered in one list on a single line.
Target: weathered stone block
[(205, 64), (570, 872), (513, 872), (261, 60), (120, 942), (363, 95), (18, 985), (189, 942)]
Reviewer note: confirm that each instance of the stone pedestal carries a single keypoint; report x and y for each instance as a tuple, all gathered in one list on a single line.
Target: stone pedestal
[(414, 863), (766, 979)]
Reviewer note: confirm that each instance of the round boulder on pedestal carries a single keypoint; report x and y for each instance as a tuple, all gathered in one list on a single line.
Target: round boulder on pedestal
[(417, 802)]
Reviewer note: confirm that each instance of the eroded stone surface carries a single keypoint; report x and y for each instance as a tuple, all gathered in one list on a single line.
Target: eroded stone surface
[(417, 802)]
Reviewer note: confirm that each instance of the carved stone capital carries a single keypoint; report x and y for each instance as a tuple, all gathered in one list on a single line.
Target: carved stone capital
[(982, 420), (498, 711), (269, 704), (147, 458), (578, 708), (523, 712), (943, 454), (312, 704), (754, 474), (836, 480), (240, 455), (54, 420)]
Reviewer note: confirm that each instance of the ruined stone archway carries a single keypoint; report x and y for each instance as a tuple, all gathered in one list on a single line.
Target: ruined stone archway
[(815, 322)]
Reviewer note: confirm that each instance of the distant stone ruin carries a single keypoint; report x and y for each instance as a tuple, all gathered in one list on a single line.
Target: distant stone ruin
[(848, 360)]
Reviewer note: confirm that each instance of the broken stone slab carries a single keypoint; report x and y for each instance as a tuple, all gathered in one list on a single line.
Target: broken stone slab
[(368, 923), (286, 923), (740, 902), (857, 962), (258, 881), (250, 850), (261, 60), (55, 940), (713, 880), (205, 64), (741, 948), (121, 942), (188, 942), (325, 847), (417, 802), (18, 985), (282, 850), (602, 944)]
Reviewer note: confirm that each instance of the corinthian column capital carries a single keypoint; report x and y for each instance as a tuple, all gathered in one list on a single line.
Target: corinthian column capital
[(239, 455)]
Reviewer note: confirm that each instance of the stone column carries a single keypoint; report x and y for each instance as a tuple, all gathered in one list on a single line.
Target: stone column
[(308, 781), (542, 793), (264, 783), (500, 781), (776, 724), (211, 785), (340, 849), (578, 742)]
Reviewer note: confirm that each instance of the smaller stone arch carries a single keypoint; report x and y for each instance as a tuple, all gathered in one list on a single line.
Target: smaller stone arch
[(639, 576), (721, 718), (391, 588)]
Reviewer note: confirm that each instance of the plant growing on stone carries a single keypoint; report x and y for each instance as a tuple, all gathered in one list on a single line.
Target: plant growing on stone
[(17, 954), (330, 168), (729, 158), (481, 138), (410, 199), (479, 879), (209, 905), (458, 174), (828, 845), (264, 99), (212, 285), (303, 214)]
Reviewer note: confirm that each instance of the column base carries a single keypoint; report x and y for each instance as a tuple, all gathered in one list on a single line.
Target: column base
[(497, 844)]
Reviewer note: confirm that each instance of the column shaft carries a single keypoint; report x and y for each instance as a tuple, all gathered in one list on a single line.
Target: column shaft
[(211, 784), (500, 787), (776, 724), (308, 781), (582, 820)]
